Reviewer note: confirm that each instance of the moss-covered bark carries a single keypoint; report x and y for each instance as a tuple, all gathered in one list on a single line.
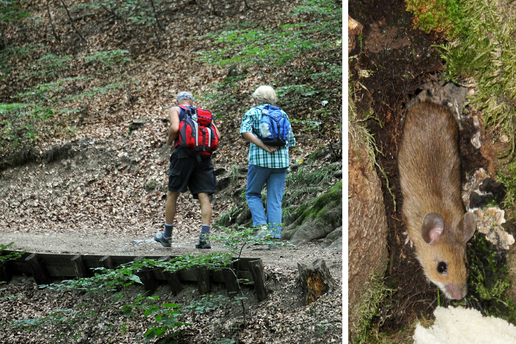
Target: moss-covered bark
[(316, 220)]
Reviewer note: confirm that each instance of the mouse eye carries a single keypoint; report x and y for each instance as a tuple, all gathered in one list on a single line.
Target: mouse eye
[(442, 267)]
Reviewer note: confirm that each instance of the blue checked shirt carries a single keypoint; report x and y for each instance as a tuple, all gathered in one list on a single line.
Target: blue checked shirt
[(257, 156)]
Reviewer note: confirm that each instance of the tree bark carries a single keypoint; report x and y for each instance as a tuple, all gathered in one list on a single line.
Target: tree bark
[(315, 280)]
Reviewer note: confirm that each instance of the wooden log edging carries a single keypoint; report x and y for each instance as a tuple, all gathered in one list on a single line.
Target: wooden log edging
[(79, 267), (38, 270), (46, 268)]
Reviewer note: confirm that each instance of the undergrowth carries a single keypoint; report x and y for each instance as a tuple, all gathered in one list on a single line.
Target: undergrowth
[(375, 294), (108, 288), (241, 46), (61, 90), (303, 184), (480, 54), (507, 176)]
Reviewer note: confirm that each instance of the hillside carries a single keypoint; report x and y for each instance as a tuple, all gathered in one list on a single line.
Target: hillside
[(80, 97), (84, 88)]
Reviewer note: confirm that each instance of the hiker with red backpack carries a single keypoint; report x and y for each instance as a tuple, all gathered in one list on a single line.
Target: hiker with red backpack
[(268, 130), (195, 137)]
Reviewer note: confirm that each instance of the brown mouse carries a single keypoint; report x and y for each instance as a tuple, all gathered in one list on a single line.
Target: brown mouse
[(429, 167)]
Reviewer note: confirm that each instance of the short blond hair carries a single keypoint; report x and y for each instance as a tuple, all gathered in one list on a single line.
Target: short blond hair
[(265, 95)]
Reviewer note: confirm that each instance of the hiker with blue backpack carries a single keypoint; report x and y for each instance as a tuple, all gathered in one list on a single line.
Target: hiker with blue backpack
[(269, 132), (195, 137)]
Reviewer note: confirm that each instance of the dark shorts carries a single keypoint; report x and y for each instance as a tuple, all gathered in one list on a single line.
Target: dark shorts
[(186, 172)]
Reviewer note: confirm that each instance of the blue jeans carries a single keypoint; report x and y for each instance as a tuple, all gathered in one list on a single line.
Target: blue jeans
[(274, 178)]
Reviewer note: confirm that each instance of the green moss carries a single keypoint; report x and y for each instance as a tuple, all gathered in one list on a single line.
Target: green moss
[(482, 54), (375, 295), (436, 15), (507, 176), (489, 276), (359, 136), (489, 279), (323, 204)]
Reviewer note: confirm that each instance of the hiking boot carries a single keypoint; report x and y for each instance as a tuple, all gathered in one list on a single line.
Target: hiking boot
[(260, 234), (163, 240), (201, 244)]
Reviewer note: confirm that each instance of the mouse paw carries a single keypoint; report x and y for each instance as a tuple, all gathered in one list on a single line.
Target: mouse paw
[(407, 240)]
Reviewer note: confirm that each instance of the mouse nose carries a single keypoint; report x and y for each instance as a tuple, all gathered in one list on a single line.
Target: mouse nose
[(455, 292)]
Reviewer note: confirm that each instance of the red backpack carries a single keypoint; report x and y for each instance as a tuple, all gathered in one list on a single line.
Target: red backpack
[(196, 132)]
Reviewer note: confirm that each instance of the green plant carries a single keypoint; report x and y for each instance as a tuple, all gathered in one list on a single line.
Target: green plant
[(234, 175), (166, 318), (114, 281), (506, 176), (489, 276), (481, 54), (225, 341), (321, 328), (239, 46), (19, 53), (436, 15), (10, 14), (236, 239), (219, 100), (375, 294), (108, 58), (4, 258), (50, 66)]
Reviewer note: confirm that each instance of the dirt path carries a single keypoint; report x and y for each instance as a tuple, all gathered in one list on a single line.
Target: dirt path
[(144, 246)]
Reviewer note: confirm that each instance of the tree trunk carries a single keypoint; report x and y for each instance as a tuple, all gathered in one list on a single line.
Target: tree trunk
[(315, 280)]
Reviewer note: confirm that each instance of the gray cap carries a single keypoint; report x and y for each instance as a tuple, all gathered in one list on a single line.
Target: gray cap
[(184, 95)]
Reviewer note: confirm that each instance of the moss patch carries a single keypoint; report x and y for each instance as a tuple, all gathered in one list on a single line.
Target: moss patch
[(435, 15), (375, 294), (322, 205), (507, 176)]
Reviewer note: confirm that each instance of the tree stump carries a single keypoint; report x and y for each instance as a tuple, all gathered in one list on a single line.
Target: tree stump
[(315, 280), (258, 279)]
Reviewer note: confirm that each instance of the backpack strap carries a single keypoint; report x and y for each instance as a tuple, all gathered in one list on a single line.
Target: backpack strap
[(261, 114), (188, 110)]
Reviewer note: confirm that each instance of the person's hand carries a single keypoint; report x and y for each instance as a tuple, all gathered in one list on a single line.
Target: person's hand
[(270, 149)]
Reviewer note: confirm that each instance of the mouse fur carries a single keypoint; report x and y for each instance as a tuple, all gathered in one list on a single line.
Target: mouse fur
[(429, 168)]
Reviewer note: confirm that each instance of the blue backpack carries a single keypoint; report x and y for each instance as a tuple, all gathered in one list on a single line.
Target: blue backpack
[(274, 126)]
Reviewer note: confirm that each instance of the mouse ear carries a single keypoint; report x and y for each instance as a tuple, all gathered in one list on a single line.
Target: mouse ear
[(433, 226), (469, 226)]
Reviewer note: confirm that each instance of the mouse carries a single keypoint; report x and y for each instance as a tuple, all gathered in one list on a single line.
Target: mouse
[(432, 209)]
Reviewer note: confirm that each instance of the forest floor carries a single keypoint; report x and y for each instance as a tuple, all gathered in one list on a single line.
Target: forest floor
[(87, 191)]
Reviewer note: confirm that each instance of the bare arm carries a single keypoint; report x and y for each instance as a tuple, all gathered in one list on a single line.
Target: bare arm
[(174, 124), (253, 139), (216, 130)]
